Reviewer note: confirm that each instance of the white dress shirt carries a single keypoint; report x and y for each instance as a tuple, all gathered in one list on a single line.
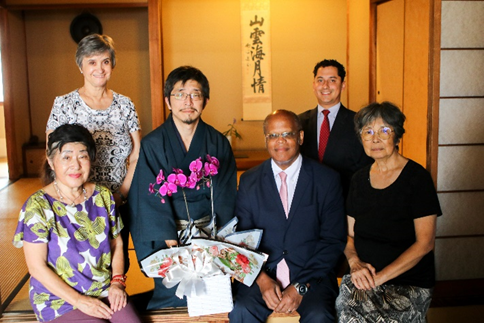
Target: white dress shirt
[(333, 112), (292, 173)]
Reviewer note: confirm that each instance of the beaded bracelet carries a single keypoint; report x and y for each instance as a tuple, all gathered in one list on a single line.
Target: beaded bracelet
[(119, 279)]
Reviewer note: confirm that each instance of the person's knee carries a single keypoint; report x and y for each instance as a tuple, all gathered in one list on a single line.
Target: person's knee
[(319, 315), (238, 313), (319, 312)]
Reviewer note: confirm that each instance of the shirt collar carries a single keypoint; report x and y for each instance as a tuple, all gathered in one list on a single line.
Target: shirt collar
[(291, 172), (333, 110)]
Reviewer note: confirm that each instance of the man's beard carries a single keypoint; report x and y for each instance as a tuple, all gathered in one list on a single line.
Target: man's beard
[(190, 120)]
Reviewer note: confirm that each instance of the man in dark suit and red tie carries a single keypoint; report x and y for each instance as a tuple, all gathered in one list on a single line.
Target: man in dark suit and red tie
[(329, 129), (299, 205)]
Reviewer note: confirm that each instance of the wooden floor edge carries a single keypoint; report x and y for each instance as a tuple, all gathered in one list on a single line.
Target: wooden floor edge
[(168, 315), (449, 293)]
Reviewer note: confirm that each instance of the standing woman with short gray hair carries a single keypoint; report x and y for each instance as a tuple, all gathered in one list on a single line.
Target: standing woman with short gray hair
[(110, 117)]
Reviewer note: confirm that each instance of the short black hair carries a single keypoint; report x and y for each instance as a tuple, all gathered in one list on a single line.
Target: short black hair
[(67, 133), (389, 113), (184, 74), (331, 62)]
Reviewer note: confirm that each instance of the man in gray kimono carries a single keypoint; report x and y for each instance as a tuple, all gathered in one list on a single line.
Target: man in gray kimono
[(181, 139)]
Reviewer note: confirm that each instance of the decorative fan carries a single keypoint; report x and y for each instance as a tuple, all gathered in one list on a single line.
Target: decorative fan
[(83, 25)]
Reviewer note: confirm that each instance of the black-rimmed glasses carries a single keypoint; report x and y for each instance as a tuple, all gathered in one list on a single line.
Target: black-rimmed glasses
[(182, 96)]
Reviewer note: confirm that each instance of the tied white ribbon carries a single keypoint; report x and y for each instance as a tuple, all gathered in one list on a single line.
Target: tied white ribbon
[(188, 270)]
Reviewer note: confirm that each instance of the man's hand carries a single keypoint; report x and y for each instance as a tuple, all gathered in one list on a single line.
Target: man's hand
[(270, 290), (171, 243), (290, 300)]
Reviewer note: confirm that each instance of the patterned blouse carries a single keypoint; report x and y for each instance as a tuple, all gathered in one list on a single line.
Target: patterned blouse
[(78, 245), (110, 128)]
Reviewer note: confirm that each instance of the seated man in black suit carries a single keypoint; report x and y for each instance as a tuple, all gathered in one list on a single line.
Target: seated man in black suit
[(299, 205), (340, 147)]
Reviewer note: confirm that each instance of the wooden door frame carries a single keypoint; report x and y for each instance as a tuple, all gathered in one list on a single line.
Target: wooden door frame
[(434, 88), (434, 77), (373, 25), (10, 138)]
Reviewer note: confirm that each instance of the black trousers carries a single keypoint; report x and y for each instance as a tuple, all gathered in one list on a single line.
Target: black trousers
[(318, 305)]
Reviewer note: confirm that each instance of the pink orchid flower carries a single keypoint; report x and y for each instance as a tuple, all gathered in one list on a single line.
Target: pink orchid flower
[(192, 180), (160, 178), (167, 189), (177, 179), (196, 165), (152, 188), (213, 160), (210, 169)]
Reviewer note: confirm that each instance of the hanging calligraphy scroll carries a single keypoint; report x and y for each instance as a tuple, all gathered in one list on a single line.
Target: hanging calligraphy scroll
[(256, 59)]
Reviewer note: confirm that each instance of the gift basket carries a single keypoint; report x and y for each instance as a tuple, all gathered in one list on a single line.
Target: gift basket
[(206, 260)]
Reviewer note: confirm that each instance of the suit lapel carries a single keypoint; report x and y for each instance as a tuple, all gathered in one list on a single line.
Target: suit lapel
[(303, 182), (312, 133), (269, 190), (339, 129)]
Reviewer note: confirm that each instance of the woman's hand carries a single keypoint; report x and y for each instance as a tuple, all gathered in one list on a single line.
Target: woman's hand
[(94, 307), (363, 275), (117, 296)]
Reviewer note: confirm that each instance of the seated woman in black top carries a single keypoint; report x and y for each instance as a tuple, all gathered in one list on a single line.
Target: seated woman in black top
[(392, 209)]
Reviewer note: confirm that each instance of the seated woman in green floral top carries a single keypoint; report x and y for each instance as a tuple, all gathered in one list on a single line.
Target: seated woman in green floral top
[(71, 238)]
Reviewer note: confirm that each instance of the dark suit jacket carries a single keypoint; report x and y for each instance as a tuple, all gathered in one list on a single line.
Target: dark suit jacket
[(344, 152), (313, 237)]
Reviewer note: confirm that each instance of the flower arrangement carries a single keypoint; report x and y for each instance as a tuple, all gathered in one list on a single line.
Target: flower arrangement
[(234, 263), (202, 269), (232, 131), (203, 258), (200, 176)]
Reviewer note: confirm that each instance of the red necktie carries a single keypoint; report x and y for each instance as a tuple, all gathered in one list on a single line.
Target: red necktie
[(323, 135), (282, 273)]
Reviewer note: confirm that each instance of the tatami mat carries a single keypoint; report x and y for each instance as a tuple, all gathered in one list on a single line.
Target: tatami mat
[(12, 263)]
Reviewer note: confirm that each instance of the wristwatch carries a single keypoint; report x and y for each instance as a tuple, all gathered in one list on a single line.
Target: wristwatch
[(302, 289)]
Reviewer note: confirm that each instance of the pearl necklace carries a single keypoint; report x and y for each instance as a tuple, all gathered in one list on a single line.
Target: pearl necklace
[(73, 202)]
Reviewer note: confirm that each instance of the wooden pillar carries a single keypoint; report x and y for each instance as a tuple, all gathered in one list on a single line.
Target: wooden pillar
[(14, 171), (156, 62)]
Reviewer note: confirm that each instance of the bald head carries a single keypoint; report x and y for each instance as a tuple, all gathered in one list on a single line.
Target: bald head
[(284, 135), (296, 123)]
